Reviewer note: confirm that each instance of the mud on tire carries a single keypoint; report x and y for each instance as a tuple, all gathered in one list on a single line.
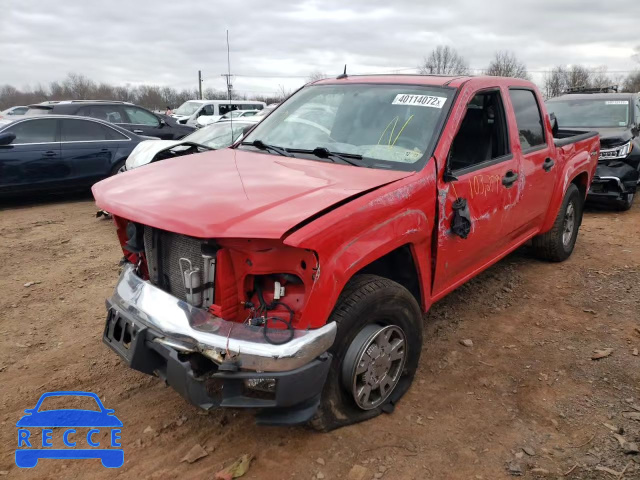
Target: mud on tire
[(365, 301)]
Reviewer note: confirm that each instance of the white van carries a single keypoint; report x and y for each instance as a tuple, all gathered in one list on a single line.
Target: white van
[(209, 111)]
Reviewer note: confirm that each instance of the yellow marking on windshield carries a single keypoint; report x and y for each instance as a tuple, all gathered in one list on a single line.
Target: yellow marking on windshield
[(400, 132), (394, 121), (387, 128)]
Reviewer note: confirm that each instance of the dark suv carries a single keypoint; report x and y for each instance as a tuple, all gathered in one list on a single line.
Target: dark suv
[(126, 115), (616, 116)]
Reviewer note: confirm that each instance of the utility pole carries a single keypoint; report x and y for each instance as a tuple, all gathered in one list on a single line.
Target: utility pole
[(200, 83), (227, 77)]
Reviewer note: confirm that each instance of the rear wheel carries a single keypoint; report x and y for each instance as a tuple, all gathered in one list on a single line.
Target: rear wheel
[(376, 352), (117, 167), (557, 244)]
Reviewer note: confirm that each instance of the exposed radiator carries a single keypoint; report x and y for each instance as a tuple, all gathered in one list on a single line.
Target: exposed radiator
[(164, 262)]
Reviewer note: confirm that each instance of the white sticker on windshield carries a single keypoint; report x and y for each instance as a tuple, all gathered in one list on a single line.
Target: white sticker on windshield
[(617, 102), (419, 100)]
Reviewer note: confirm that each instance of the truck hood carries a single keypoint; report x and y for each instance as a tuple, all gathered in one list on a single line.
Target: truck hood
[(234, 193), (145, 151), (612, 137)]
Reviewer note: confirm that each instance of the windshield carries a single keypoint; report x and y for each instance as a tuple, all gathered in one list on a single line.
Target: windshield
[(217, 135), (187, 108), (597, 112), (390, 126)]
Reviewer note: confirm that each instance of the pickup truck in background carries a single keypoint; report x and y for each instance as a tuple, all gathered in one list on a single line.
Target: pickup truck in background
[(616, 116), (290, 272)]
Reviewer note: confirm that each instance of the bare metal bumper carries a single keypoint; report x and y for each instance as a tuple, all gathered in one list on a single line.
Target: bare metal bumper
[(190, 329)]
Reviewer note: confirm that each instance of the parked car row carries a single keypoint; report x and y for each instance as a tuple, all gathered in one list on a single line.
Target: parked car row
[(46, 151)]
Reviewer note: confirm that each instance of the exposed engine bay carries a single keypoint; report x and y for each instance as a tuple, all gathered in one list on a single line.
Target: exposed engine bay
[(260, 282)]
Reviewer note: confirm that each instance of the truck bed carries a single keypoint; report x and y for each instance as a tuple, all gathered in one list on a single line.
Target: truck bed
[(564, 137)]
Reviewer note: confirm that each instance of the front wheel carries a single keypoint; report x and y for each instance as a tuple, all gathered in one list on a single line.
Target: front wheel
[(376, 352), (626, 202), (557, 244)]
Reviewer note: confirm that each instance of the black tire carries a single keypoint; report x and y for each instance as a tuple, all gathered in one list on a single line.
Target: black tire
[(626, 202), (368, 300), (117, 167), (550, 245)]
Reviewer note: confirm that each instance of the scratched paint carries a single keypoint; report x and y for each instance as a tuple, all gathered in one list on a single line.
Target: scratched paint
[(520, 186), (399, 195)]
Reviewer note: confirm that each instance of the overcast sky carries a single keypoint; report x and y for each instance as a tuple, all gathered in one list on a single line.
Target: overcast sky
[(166, 43)]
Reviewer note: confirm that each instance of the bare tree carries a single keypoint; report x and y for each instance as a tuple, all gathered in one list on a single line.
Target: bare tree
[(632, 82), (76, 86), (444, 60), (506, 64), (315, 76), (555, 82), (283, 93), (578, 76), (600, 78)]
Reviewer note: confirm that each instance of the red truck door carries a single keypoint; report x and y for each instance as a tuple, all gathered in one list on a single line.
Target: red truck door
[(533, 148), (484, 165)]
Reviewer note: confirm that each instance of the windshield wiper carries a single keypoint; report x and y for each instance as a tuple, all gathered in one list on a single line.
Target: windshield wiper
[(323, 152), (191, 144), (260, 145)]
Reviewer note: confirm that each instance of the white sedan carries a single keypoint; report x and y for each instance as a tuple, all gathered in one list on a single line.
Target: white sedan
[(212, 137)]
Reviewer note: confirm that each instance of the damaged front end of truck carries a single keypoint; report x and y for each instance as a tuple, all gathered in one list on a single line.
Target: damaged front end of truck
[(231, 339)]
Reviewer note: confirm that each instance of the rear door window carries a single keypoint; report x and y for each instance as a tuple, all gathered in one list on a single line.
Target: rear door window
[(138, 116), (34, 131), (528, 118), (108, 113), (88, 131)]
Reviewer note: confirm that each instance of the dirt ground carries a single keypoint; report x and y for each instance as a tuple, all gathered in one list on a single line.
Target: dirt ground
[(528, 381)]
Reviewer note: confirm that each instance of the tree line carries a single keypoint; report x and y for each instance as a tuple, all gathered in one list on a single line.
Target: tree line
[(442, 60), (78, 87), (445, 60)]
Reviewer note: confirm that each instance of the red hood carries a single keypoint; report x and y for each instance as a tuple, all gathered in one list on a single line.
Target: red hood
[(233, 193)]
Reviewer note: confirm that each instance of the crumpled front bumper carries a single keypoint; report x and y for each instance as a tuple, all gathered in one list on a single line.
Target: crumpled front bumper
[(613, 180), (189, 329), (215, 363)]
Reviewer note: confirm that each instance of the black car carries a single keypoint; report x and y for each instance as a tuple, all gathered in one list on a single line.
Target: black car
[(616, 116), (56, 153), (126, 115)]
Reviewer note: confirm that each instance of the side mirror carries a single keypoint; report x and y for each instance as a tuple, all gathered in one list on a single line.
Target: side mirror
[(162, 122), (7, 137), (247, 129)]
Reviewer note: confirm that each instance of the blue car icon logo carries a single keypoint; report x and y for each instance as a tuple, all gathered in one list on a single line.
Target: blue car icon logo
[(68, 421)]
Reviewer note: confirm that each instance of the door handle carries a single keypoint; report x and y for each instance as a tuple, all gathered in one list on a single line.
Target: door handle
[(548, 164), (50, 153), (509, 178), (138, 131)]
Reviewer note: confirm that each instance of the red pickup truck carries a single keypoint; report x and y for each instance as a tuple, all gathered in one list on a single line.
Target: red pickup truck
[(290, 273)]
